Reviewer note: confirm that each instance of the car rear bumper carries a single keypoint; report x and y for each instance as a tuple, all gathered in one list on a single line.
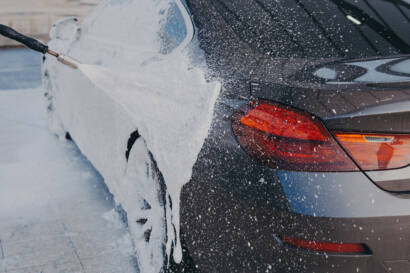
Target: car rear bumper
[(224, 233)]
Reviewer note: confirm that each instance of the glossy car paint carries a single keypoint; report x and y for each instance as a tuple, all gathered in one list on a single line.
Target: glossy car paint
[(352, 74), (344, 61)]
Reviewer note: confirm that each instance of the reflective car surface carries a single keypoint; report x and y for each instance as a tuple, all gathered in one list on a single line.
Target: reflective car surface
[(307, 164)]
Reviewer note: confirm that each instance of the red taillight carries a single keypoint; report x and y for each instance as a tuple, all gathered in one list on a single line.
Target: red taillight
[(325, 246), (278, 121), (377, 151), (286, 138)]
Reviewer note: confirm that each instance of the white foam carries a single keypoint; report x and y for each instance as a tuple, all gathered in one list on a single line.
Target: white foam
[(172, 106), (169, 101)]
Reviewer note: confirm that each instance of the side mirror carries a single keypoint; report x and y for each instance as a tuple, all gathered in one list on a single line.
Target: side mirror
[(65, 29)]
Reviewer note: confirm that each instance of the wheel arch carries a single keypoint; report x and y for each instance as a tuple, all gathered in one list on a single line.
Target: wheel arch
[(134, 136)]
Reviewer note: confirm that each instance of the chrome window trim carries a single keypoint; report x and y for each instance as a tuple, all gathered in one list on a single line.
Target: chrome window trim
[(189, 26)]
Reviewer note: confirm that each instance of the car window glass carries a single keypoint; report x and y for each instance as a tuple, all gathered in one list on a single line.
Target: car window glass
[(319, 28), (174, 30), (131, 23)]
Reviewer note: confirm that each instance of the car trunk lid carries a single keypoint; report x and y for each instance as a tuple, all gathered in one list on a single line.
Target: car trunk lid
[(370, 96)]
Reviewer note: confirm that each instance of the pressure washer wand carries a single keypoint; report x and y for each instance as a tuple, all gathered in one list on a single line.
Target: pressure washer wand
[(36, 45)]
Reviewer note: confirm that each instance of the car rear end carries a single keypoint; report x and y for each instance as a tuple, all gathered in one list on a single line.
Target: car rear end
[(243, 214), (307, 166)]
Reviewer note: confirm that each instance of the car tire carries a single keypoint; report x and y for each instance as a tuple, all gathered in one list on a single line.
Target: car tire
[(143, 196), (146, 212), (187, 264)]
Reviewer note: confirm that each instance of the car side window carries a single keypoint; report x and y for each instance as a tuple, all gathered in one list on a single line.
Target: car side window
[(174, 30), (130, 23)]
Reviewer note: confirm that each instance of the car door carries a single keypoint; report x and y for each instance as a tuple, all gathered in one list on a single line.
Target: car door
[(117, 34)]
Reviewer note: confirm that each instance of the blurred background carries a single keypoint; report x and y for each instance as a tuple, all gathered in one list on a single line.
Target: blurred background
[(35, 17), (56, 214)]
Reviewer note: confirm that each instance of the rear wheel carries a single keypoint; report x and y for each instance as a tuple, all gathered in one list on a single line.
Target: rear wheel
[(187, 265), (143, 198)]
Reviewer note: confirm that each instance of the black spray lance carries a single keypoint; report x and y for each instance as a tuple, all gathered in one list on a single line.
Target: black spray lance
[(36, 45), (100, 76)]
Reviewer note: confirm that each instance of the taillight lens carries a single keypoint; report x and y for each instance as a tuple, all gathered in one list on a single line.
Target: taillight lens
[(376, 151), (326, 246), (287, 138)]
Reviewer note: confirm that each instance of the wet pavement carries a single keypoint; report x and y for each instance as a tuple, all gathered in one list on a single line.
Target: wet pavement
[(56, 215), (19, 69)]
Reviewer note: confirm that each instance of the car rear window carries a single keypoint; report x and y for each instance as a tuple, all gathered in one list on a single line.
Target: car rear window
[(320, 28)]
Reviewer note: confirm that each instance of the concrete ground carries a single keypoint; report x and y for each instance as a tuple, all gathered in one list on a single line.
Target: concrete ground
[(56, 215), (35, 17)]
